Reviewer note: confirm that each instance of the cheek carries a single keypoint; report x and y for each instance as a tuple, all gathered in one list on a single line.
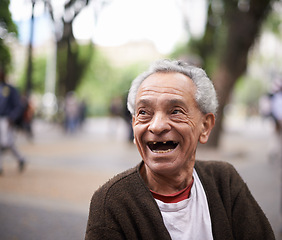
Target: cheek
[(138, 133), (190, 134), (139, 142), (138, 127)]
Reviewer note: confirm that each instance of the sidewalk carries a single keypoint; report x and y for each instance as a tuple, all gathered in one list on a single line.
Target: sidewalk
[(64, 171)]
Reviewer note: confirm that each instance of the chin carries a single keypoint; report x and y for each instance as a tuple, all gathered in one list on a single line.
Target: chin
[(161, 166)]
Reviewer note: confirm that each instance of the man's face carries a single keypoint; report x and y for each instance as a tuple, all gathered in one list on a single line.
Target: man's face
[(168, 124)]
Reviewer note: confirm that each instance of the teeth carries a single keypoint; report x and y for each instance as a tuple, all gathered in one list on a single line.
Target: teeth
[(157, 142), (162, 151)]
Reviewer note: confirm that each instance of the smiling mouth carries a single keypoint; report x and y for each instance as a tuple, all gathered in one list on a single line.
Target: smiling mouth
[(162, 147)]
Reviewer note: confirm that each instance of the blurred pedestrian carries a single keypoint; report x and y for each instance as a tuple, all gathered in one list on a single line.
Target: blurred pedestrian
[(72, 112), (116, 107), (82, 112), (170, 194), (271, 106), (10, 111), (276, 108), (116, 111), (24, 122)]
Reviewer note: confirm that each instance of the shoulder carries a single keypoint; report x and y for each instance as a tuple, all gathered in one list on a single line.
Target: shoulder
[(128, 180), (119, 194), (222, 175), (215, 169), (229, 196)]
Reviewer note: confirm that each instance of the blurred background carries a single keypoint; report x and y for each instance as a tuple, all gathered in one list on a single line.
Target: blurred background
[(73, 61)]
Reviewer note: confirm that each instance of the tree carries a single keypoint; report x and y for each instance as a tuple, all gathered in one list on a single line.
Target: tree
[(70, 67), (243, 29), (231, 31), (7, 27)]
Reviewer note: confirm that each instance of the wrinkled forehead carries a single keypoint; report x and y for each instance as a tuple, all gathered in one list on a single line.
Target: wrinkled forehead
[(166, 89), (167, 82)]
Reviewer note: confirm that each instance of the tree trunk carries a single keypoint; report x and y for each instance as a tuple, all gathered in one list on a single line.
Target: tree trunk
[(70, 66), (66, 66), (243, 28), (28, 87)]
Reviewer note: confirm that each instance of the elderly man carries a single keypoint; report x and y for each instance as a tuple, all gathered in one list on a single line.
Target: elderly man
[(170, 195)]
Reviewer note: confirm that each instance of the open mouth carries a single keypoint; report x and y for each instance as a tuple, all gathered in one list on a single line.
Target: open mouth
[(162, 147)]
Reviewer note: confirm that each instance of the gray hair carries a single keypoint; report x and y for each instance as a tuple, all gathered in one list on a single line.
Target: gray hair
[(205, 95)]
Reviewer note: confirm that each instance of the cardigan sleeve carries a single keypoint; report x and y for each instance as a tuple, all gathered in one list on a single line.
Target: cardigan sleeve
[(96, 226), (124, 208), (235, 214), (103, 233), (248, 219)]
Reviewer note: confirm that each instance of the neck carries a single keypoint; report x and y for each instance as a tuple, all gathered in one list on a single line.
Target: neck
[(166, 184)]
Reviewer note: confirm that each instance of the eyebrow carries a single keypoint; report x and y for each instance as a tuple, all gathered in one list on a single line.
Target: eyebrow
[(143, 102), (170, 102), (175, 102)]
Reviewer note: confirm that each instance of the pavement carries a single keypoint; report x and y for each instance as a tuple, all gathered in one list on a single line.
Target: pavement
[(50, 199)]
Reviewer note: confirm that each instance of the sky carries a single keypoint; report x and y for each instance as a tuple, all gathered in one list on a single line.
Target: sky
[(119, 22)]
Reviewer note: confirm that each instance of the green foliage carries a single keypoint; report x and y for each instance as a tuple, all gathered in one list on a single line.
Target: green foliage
[(248, 91), (274, 19), (7, 26), (102, 82), (5, 55), (38, 76), (61, 60), (125, 77), (209, 47), (72, 63), (179, 50), (93, 87), (6, 21)]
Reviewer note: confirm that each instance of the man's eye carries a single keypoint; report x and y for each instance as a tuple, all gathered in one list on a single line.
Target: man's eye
[(176, 111), (141, 112)]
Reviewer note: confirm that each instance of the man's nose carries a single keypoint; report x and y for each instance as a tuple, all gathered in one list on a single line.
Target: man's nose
[(159, 124)]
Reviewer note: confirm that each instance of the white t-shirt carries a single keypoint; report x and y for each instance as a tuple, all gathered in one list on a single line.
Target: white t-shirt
[(190, 218)]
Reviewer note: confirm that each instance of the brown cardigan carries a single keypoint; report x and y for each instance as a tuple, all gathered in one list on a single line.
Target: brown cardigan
[(124, 208)]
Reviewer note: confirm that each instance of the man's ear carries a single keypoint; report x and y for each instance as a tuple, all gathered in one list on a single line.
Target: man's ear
[(207, 126)]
